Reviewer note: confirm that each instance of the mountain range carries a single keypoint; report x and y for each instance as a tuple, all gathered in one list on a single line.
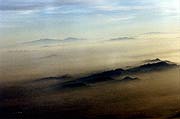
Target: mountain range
[(51, 41), (110, 75)]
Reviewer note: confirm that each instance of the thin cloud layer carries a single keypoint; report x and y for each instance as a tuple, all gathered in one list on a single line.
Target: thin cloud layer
[(93, 19), (155, 33), (16, 5), (98, 5)]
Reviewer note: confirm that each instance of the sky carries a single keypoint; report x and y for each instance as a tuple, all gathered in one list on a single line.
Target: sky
[(49, 37), (28, 20)]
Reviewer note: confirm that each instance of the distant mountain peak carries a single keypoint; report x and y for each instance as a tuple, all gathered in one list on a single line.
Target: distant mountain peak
[(122, 38), (72, 39), (153, 60), (128, 78), (42, 42), (153, 65), (110, 75), (48, 41)]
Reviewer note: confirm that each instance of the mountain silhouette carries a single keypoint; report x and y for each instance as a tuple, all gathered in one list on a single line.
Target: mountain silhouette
[(152, 65), (103, 76), (152, 61), (128, 78), (47, 41), (63, 77), (122, 38), (42, 42)]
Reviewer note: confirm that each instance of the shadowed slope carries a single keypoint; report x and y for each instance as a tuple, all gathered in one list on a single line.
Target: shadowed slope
[(149, 66), (152, 66)]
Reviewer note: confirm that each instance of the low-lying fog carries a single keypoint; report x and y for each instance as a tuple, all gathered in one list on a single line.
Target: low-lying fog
[(154, 95), (28, 62)]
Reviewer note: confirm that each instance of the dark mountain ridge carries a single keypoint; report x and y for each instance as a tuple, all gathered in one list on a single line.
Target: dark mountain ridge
[(129, 78), (152, 65)]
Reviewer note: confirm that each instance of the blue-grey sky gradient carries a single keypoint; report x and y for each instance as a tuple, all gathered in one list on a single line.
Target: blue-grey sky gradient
[(91, 19)]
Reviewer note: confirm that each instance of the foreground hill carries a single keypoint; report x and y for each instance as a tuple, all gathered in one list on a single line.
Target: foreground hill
[(152, 94), (149, 66)]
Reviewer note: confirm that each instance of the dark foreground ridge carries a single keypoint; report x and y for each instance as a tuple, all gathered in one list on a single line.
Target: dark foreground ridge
[(129, 78), (31, 101), (149, 66), (153, 65), (63, 77)]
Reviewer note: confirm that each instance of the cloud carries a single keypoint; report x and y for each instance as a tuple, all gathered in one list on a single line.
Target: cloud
[(122, 8), (155, 54), (47, 6), (86, 6), (120, 18), (122, 38), (19, 5), (155, 33)]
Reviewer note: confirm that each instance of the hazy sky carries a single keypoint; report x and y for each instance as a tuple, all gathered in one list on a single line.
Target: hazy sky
[(26, 20)]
